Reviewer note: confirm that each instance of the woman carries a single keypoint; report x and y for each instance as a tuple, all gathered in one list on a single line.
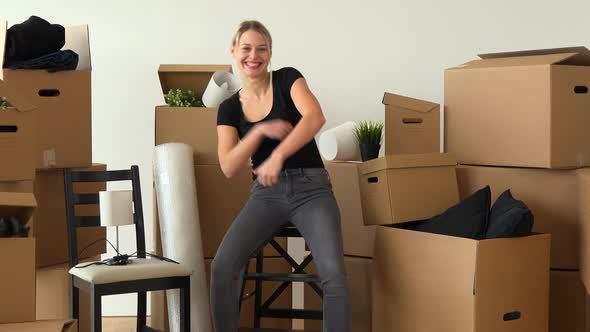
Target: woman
[(272, 120)]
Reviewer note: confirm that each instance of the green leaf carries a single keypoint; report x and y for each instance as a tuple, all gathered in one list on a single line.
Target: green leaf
[(368, 132), (182, 98)]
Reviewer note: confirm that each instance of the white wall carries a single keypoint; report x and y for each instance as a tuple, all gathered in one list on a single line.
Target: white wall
[(350, 52)]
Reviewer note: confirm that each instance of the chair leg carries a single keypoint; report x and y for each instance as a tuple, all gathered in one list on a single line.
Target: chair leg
[(141, 310), (96, 311), (258, 290), (75, 302), (185, 306)]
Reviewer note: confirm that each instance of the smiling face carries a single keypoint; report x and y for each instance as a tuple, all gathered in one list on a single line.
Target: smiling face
[(252, 54)]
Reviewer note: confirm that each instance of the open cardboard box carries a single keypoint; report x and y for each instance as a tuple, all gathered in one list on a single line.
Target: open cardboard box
[(68, 325), (17, 258), (425, 282), (411, 125), (196, 126), (63, 101), (409, 187), (17, 136), (527, 109)]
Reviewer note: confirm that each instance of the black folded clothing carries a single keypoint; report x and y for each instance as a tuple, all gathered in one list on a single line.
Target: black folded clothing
[(11, 227), (468, 218), (33, 38), (509, 217), (58, 61)]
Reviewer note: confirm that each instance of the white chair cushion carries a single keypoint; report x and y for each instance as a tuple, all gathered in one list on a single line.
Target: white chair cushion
[(138, 268)]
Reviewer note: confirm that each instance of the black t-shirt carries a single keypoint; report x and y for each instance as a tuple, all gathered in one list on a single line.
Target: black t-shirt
[(231, 114)]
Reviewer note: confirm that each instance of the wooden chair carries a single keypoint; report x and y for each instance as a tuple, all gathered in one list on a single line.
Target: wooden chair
[(140, 276)]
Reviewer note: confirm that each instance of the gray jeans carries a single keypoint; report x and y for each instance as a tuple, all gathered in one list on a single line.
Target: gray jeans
[(304, 197)]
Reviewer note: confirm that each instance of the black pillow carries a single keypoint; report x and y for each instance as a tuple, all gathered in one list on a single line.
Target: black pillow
[(467, 219), (509, 218)]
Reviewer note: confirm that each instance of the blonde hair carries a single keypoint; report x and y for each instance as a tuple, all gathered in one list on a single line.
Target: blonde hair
[(254, 26), (261, 29)]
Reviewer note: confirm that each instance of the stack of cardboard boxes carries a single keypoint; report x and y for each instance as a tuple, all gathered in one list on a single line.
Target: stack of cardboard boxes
[(48, 128), (219, 199), (411, 126), (519, 121), (424, 281)]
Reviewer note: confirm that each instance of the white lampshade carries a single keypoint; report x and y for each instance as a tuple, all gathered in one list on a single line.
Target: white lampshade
[(116, 208)]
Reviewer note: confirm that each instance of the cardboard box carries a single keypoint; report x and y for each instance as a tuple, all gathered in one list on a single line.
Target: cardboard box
[(400, 188), (17, 258), (357, 238), (220, 200), (527, 109), (359, 275), (196, 126), (68, 325), (63, 100), (429, 282), (552, 196), (411, 125), (569, 303), (17, 281), (584, 199), (17, 186), (159, 314), (50, 227), (17, 136), (53, 295)]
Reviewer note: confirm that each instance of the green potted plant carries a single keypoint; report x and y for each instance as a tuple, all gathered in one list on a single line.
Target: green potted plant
[(368, 135), (182, 98), (4, 103)]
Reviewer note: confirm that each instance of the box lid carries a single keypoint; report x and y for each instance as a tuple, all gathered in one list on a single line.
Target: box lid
[(577, 56), (185, 77), (14, 97), (76, 39), (408, 103), (69, 325), (407, 161), (20, 205)]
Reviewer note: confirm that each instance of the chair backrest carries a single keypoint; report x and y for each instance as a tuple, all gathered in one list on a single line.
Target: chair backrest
[(72, 199)]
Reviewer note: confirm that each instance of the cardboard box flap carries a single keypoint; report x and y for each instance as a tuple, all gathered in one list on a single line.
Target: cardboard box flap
[(41, 326), (77, 40), (583, 175), (407, 161), (533, 60), (497, 257), (185, 77), (408, 103), (20, 205), (579, 55), (15, 98), (510, 272)]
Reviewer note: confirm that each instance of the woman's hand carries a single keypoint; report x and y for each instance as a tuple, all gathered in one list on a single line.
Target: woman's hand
[(275, 129), (268, 172)]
